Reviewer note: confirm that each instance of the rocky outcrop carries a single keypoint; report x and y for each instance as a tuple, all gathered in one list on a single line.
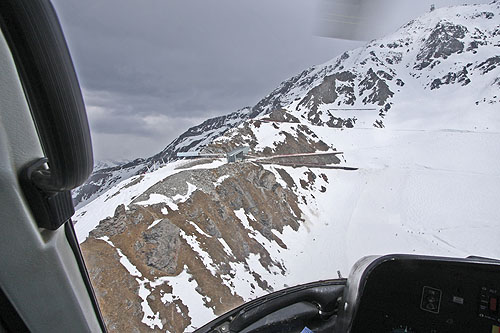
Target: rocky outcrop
[(451, 78), (329, 90), (376, 87), (489, 64), (281, 115), (161, 246), (443, 41), (203, 235), (118, 223)]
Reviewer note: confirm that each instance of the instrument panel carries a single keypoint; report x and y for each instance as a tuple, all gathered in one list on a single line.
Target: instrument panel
[(425, 294)]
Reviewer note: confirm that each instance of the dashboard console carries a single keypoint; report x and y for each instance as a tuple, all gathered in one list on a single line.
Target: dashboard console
[(405, 293)]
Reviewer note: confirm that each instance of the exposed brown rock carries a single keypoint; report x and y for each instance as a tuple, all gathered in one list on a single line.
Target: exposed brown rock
[(162, 250)]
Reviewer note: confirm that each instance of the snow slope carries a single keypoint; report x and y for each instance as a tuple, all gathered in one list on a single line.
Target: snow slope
[(426, 192)]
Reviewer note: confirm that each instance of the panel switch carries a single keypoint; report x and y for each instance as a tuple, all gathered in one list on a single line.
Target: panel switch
[(431, 299), (493, 304)]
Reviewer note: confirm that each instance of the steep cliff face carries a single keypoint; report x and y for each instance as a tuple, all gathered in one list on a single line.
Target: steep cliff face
[(386, 148)]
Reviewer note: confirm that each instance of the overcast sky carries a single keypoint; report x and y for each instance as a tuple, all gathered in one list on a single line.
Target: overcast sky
[(150, 69)]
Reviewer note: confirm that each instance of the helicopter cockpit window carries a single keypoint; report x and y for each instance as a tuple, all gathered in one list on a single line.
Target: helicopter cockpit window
[(245, 147)]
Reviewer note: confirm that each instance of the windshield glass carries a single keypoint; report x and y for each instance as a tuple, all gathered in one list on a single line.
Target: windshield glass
[(246, 147)]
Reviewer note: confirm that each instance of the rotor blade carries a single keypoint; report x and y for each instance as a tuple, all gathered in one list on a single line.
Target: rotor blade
[(365, 20)]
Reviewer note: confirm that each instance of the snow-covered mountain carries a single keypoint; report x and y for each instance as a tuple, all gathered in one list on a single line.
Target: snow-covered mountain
[(432, 53), (106, 176), (392, 147), (106, 164)]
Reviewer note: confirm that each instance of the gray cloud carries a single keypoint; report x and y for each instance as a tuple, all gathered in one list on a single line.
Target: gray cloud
[(149, 69)]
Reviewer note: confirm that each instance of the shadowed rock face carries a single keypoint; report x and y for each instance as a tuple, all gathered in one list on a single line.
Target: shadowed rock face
[(301, 142), (338, 87), (489, 65), (329, 90), (89, 188), (161, 246), (378, 88), (442, 42), (450, 78), (282, 115), (300, 139)]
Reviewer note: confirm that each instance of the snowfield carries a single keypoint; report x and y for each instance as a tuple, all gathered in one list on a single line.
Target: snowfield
[(416, 192)]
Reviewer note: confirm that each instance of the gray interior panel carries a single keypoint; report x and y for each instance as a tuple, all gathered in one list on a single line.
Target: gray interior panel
[(38, 271)]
